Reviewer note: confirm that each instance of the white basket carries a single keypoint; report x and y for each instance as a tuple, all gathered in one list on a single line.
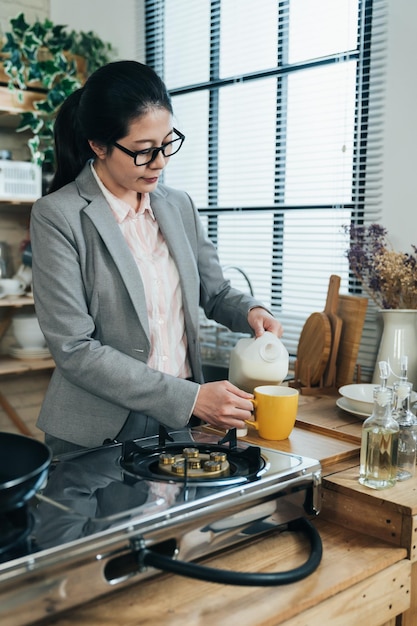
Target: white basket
[(20, 181)]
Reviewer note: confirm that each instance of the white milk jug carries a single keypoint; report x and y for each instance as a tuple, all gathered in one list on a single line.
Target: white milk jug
[(261, 361)]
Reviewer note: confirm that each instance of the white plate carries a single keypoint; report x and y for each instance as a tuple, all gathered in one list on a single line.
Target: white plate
[(342, 403), (29, 353)]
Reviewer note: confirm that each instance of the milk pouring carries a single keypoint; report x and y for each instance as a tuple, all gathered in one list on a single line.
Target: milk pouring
[(261, 361)]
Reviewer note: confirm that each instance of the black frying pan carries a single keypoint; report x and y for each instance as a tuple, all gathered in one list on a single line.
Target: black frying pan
[(24, 464)]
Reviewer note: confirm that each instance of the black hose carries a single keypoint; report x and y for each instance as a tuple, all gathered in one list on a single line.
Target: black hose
[(256, 579)]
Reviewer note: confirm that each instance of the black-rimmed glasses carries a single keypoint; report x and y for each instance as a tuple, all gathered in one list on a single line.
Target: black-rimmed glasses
[(146, 156)]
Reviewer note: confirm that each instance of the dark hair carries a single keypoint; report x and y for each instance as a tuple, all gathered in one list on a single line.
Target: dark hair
[(102, 110)]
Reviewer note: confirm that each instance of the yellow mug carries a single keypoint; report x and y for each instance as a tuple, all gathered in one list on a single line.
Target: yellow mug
[(275, 411)]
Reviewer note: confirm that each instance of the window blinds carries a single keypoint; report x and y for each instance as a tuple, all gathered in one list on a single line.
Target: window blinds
[(281, 103)]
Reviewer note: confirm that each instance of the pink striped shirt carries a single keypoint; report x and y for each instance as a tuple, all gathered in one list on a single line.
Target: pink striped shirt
[(161, 283)]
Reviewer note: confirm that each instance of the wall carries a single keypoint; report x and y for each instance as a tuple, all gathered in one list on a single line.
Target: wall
[(112, 21), (399, 191), (33, 10)]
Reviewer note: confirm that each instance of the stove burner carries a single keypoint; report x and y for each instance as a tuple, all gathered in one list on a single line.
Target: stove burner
[(193, 463), (222, 463)]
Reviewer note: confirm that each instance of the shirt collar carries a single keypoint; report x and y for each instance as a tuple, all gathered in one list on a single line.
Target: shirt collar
[(121, 209)]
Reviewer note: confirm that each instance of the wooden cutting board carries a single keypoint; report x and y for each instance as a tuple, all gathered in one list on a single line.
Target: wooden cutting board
[(336, 324), (314, 348), (328, 447), (352, 311)]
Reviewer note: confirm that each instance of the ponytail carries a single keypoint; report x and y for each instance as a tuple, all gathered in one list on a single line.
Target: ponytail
[(72, 149)]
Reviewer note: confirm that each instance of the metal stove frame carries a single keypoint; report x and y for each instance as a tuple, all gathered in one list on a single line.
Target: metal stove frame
[(52, 580)]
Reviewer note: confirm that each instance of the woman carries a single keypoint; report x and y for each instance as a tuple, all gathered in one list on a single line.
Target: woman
[(120, 267)]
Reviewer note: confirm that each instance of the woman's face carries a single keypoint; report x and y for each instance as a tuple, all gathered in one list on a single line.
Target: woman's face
[(117, 169)]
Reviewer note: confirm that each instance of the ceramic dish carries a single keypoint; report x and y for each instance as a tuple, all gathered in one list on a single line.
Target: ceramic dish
[(29, 353), (343, 404), (360, 397)]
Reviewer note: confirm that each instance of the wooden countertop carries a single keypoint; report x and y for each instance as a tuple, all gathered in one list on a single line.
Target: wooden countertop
[(361, 579), (364, 574)]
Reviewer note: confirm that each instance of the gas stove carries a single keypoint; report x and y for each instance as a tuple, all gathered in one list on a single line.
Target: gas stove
[(111, 516)]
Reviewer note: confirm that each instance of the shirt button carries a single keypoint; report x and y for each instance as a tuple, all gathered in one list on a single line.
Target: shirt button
[(165, 358), (160, 322)]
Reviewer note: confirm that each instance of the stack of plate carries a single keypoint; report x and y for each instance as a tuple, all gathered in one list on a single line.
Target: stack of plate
[(357, 399), (29, 353)]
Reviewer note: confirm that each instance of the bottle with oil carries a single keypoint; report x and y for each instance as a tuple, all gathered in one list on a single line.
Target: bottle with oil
[(379, 446), (407, 422)]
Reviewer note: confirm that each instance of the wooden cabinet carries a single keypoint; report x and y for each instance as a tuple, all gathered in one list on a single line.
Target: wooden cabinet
[(14, 366), (14, 221)]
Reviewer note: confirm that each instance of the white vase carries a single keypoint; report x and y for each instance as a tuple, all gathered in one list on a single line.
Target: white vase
[(399, 339)]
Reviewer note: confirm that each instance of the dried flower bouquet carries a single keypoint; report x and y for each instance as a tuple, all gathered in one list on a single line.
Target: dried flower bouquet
[(389, 277)]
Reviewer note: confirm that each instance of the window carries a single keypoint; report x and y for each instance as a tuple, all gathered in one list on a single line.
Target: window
[(279, 102)]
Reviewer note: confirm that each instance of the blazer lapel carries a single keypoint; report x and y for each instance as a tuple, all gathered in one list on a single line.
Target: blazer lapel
[(101, 216)]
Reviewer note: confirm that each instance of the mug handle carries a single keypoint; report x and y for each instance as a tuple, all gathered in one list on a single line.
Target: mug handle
[(253, 423)]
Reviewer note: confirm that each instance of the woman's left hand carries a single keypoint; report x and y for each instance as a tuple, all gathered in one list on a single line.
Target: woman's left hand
[(260, 320)]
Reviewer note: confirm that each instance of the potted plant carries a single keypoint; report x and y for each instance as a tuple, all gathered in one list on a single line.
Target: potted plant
[(53, 61)]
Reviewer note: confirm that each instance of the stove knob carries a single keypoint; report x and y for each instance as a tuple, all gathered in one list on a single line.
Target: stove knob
[(190, 453), (218, 456), (166, 459), (212, 466)]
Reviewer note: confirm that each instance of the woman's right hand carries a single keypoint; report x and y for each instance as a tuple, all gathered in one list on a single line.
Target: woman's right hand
[(223, 405)]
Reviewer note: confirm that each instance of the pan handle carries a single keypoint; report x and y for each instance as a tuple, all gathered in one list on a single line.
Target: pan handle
[(256, 579)]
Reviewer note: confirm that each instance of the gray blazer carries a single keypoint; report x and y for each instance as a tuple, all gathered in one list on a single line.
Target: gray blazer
[(90, 301)]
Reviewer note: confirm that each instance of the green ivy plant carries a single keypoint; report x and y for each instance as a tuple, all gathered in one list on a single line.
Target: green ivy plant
[(43, 56)]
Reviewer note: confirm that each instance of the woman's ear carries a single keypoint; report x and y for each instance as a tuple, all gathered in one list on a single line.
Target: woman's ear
[(99, 150)]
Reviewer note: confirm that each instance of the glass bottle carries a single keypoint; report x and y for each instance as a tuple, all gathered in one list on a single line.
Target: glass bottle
[(407, 422), (379, 446)]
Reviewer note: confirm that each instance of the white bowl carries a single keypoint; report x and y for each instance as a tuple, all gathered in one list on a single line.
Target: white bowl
[(11, 287), (27, 331), (359, 397)]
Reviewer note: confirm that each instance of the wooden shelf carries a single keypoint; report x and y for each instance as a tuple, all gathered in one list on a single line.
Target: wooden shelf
[(15, 366), (16, 301), (10, 365), (19, 204), (10, 101)]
